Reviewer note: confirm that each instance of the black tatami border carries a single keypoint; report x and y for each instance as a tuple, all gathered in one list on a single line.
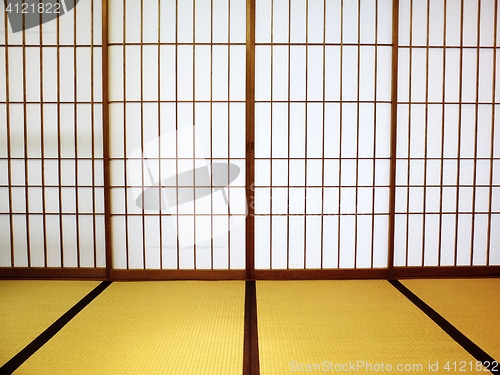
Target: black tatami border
[(251, 365), (446, 326), (15, 362)]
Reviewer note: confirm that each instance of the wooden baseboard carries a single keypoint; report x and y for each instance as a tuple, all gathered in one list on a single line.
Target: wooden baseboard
[(322, 274), (446, 271), (290, 274), (133, 274), (52, 273)]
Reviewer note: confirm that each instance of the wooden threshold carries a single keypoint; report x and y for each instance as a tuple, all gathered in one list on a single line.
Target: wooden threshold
[(141, 274), (52, 273)]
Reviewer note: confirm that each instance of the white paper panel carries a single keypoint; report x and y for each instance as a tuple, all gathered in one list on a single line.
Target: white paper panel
[(279, 130), (220, 248), (86, 240), (431, 244), (436, 22), (364, 242), (367, 73), (262, 130), (349, 131), (450, 131), (297, 201), (296, 241), (313, 242), (415, 223), (419, 23), (315, 76), (480, 240), (118, 232), (400, 240), (263, 26), (349, 72), (70, 245), (494, 247), (347, 235), (297, 131), (220, 76), (418, 75), (453, 29), (451, 73), (262, 242), (380, 241), (237, 65), (383, 130), (135, 241), (20, 240), (53, 241), (464, 238), (435, 92), (332, 72), (330, 241), (67, 131), (279, 242), (447, 240)]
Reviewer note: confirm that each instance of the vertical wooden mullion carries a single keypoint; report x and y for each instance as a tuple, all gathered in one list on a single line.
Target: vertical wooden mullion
[(341, 104), (426, 130), (476, 116), (306, 111), (357, 140), (92, 130), (493, 100), (177, 126), (75, 120), (250, 137), (324, 143), (375, 75), (59, 156), (211, 124), (26, 161), (443, 97), (408, 156), (106, 140), (125, 159), (288, 138), (271, 142), (194, 133), (9, 146), (144, 159), (42, 149), (228, 144), (393, 140), (459, 135), (159, 134)]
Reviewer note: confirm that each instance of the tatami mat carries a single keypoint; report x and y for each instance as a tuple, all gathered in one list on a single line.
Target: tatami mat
[(27, 308), (337, 325), (470, 305), (170, 327)]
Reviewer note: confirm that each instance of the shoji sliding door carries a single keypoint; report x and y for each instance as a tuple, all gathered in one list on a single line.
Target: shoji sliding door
[(448, 145), (322, 133), (51, 141), (177, 134)]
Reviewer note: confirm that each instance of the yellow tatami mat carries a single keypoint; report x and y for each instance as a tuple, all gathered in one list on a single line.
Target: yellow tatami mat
[(471, 305), (167, 327), (27, 308), (347, 326)]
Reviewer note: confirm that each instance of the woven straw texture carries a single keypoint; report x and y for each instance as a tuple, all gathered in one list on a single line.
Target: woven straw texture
[(324, 326), (172, 327), (29, 307)]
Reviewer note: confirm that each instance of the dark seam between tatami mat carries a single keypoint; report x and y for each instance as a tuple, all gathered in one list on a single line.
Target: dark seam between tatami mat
[(446, 326), (13, 364), (251, 341)]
